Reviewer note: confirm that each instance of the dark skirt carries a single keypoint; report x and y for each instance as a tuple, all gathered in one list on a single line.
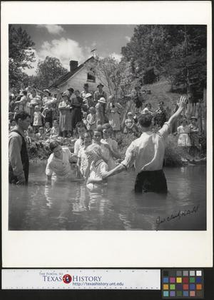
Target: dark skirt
[(76, 116), (151, 181)]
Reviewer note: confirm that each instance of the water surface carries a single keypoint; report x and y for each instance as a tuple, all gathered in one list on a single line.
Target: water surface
[(70, 206)]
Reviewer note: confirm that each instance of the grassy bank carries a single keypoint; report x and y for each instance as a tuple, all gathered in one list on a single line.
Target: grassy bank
[(160, 91)]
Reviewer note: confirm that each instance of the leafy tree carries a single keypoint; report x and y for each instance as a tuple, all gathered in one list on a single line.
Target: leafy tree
[(48, 71), (177, 52), (21, 55), (115, 76), (186, 68), (147, 51)]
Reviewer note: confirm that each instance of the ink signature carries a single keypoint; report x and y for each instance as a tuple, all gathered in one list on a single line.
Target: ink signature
[(179, 215)]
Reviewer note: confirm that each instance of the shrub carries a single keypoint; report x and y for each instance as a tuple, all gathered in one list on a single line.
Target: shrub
[(173, 153)]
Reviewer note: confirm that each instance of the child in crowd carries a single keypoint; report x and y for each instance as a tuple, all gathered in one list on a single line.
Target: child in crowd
[(82, 162), (97, 167), (54, 132), (47, 113), (183, 134), (47, 129), (37, 119), (130, 126), (89, 100), (84, 118), (91, 119), (29, 135), (194, 137), (79, 142), (41, 134), (147, 109)]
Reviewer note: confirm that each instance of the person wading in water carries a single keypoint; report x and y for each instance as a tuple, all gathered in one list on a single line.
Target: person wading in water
[(18, 155), (147, 154)]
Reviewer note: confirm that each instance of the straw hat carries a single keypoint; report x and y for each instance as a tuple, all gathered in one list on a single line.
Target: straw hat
[(102, 100), (88, 95), (65, 94)]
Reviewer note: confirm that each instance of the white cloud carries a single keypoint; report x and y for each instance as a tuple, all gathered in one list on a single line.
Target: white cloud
[(52, 29), (116, 56), (65, 50), (127, 38)]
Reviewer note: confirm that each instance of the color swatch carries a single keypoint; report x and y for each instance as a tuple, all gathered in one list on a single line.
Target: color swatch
[(182, 284)]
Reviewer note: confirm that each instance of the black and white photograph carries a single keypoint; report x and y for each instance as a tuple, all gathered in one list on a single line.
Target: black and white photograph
[(107, 144), (107, 127)]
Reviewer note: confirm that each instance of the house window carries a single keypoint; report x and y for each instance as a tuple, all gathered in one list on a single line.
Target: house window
[(91, 77)]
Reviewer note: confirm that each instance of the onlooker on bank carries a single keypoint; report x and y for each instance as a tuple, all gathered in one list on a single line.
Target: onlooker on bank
[(18, 155)]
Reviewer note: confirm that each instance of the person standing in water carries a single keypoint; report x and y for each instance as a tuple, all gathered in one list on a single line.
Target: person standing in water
[(18, 155), (147, 154), (97, 167), (59, 163)]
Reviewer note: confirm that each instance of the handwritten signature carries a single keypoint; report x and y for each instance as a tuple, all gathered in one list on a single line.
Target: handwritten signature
[(179, 215)]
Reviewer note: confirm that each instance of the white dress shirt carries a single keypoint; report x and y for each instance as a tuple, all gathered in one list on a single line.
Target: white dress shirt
[(147, 152)]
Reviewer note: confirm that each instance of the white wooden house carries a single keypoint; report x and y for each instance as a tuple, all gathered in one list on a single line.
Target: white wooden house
[(76, 78)]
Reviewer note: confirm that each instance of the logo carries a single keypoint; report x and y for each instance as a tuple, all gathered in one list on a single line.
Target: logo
[(67, 278)]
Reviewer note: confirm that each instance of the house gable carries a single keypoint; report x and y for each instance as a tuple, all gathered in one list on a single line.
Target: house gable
[(63, 80), (76, 80)]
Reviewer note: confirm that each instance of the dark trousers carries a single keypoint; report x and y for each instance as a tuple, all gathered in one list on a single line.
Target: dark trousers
[(151, 181)]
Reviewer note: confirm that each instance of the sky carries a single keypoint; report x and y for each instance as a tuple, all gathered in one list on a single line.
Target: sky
[(75, 42)]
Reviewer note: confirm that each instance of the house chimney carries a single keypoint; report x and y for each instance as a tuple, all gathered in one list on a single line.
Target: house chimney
[(73, 65)]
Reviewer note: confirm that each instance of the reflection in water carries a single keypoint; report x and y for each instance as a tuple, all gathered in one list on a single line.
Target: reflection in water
[(72, 206)]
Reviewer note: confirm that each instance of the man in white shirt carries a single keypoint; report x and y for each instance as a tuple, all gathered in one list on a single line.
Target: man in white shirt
[(59, 163), (147, 154)]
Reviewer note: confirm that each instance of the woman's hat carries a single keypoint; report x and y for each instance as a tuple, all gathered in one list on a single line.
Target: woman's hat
[(100, 84), (65, 94), (102, 100), (88, 95)]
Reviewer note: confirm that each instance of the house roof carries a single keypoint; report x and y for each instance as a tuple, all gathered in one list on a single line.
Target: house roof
[(68, 75)]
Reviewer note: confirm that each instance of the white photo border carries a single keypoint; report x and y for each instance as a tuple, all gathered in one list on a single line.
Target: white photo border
[(119, 249)]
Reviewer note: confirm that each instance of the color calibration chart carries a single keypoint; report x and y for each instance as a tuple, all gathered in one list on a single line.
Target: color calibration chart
[(182, 284)]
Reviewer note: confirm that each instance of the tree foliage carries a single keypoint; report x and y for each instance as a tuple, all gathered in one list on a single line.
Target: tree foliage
[(114, 75), (48, 71), (177, 51), (21, 55)]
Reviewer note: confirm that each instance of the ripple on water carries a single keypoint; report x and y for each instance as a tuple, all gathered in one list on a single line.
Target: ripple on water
[(70, 206)]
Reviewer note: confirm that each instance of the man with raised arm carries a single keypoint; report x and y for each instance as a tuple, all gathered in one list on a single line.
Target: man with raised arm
[(147, 154)]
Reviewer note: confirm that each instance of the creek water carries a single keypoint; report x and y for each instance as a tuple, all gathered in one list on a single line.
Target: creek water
[(71, 206)]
